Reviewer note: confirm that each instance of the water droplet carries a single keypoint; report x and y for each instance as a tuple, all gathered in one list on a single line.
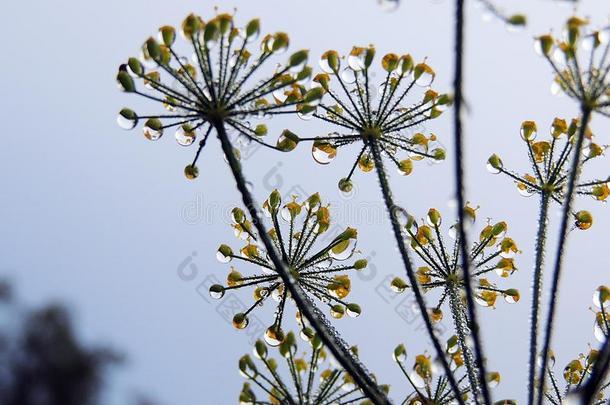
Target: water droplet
[(348, 75), (418, 381), (344, 250), (240, 321), (274, 336), (599, 333), (425, 79), (323, 152), (217, 291), (185, 135), (152, 134), (491, 169), (356, 62), (601, 294), (127, 119), (222, 258)]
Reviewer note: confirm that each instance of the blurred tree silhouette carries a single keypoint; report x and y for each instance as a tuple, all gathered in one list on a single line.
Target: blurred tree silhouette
[(42, 361)]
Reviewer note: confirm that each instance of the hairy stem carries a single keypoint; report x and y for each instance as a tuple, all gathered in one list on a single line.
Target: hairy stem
[(461, 327), (537, 289), (318, 321), (459, 186), (398, 235), (563, 233)]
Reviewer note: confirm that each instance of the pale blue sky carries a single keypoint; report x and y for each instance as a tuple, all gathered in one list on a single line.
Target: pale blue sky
[(103, 219)]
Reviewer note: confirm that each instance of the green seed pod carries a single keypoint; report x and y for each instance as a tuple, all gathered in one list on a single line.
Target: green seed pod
[(275, 200), (136, 66), (439, 154), (360, 264), (495, 162), (313, 95), (238, 215), (314, 200), (253, 28), (400, 353), (398, 285), (126, 82), (287, 141), (167, 34), (210, 32), (546, 44), (191, 25), (353, 310), (260, 349), (434, 217), (225, 250), (260, 130), (369, 55), (152, 49), (499, 228), (406, 64), (298, 58), (517, 20)]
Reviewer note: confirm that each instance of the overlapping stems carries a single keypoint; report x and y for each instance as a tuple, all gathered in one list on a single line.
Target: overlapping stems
[(319, 269), (581, 62), (314, 380), (380, 127), (428, 388), (441, 270), (549, 160), (220, 99), (479, 382), (363, 112), (581, 373)]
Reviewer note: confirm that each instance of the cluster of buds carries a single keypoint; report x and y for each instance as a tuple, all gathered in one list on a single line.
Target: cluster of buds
[(315, 379), (549, 159), (320, 271), (428, 387), (580, 59), (577, 371), (213, 85), (366, 113), (441, 269)]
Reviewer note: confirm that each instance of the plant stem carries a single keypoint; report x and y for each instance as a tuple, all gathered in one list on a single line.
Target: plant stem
[(318, 321), (459, 178), (398, 236), (600, 370), (537, 287), (460, 323), (563, 233)]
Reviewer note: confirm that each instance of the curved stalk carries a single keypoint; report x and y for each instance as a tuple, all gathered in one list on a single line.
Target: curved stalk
[(330, 337), (461, 327), (563, 233), (459, 185), (398, 236), (537, 287)]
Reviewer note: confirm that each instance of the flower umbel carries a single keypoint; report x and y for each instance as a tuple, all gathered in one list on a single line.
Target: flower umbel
[(577, 371), (213, 84), (317, 270), (364, 112), (312, 381), (580, 59), (428, 387), (494, 252), (549, 159)]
